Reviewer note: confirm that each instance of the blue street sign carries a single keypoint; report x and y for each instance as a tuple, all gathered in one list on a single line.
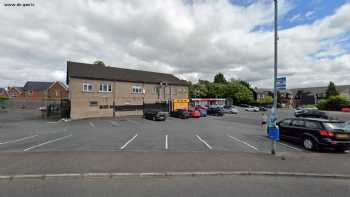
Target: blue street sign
[(281, 83)]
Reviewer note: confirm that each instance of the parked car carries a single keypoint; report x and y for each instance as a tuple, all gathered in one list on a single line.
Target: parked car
[(316, 133), (195, 114), (261, 108), (155, 115), (216, 111), (199, 107), (203, 112), (345, 109), (230, 110), (180, 113), (311, 113), (244, 105), (252, 109)]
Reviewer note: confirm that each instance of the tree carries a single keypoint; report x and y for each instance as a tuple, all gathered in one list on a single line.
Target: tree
[(266, 100), (99, 62), (331, 90), (333, 103), (219, 78)]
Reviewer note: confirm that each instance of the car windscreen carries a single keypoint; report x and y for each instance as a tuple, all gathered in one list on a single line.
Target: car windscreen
[(337, 126)]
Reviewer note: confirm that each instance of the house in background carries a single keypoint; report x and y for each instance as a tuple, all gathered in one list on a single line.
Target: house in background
[(15, 92), (38, 91), (3, 93), (104, 91)]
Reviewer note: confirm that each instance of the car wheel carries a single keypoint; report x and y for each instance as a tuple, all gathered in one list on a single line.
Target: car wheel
[(309, 144), (340, 150)]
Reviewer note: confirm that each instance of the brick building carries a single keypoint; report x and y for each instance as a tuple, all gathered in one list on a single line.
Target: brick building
[(103, 91)]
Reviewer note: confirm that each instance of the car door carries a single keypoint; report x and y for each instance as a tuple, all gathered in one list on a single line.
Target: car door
[(284, 126), (296, 129), (311, 127)]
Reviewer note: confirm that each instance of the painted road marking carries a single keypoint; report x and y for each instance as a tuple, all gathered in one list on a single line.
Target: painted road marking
[(18, 140), (204, 142), (48, 142), (166, 142), (92, 125), (114, 123), (292, 147), (121, 148), (243, 142), (283, 144), (132, 121)]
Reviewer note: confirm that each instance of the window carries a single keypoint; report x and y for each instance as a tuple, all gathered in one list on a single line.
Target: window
[(93, 103), (285, 123), (137, 90), (105, 87), (30, 93), (298, 123), (57, 93), (87, 87), (312, 125)]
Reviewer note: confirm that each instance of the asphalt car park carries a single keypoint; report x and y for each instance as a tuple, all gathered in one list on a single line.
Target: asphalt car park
[(232, 132)]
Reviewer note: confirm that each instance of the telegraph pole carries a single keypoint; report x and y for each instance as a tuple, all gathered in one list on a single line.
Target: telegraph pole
[(274, 108)]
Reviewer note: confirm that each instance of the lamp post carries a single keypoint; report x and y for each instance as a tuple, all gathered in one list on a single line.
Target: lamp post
[(274, 108)]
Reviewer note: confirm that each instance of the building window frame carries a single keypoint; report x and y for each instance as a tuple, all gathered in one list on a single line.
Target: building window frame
[(87, 87), (105, 87), (137, 90), (93, 103)]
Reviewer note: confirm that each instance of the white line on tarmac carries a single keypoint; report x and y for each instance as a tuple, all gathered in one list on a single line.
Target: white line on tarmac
[(292, 147), (121, 148), (204, 142), (132, 121), (114, 123), (18, 140), (92, 125), (283, 144), (48, 142), (243, 142), (166, 142)]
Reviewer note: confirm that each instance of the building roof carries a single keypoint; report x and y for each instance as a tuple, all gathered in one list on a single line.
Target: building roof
[(318, 90), (93, 71), (37, 85)]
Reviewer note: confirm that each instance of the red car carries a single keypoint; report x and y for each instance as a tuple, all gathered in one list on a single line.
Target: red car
[(345, 109), (195, 114)]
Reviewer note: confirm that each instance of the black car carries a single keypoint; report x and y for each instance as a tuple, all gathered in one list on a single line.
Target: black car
[(244, 105), (154, 115), (180, 113), (261, 108), (316, 133), (310, 113), (216, 111)]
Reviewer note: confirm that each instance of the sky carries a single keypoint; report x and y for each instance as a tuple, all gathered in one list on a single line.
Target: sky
[(192, 39)]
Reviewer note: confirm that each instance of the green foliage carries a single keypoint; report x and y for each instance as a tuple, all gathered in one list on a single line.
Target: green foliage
[(266, 100), (331, 90), (99, 62), (333, 103), (237, 91), (2, 98), (310, 106), (219, 78)]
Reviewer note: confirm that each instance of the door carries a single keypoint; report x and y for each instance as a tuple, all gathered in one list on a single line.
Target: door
[(284, 125), (296, 130)]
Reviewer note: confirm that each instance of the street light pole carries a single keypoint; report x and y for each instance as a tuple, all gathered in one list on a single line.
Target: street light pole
[(274, 109)]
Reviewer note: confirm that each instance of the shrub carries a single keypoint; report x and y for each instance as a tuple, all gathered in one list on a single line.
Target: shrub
[(333, 103)]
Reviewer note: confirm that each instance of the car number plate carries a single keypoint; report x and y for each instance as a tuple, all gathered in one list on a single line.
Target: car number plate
[(342, 136)]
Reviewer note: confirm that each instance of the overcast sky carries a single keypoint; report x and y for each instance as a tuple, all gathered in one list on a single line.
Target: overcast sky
[(191, 39)]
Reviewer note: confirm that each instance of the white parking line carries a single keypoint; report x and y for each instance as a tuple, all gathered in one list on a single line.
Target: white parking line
[(92, 125), (204, 142), (166, 142), (114, 123), (243, 142), (121, 148), (48, 142), (132, 121), (283, 144), (291, 147), (18, 140)]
